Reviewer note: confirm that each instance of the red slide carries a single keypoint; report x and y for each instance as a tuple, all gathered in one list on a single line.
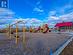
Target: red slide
[(46, 28), (38, 29)]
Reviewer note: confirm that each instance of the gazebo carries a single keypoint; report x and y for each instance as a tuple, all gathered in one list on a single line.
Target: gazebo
[(64, 26)]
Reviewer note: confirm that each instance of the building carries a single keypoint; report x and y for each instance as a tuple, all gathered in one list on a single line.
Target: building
[(64, 26), (3, 3)]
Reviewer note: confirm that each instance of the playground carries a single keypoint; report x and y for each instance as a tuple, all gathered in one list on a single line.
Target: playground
[(33, 27), (32, 41)]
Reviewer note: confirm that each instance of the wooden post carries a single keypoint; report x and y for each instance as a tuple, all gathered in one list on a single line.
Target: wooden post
[(24, 38), (9, 31), (30, 29), (16, 34), (40, 28)]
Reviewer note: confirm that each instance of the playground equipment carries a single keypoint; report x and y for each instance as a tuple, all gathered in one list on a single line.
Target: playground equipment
[(8, 30), (45, 28), (30, 30), (24, 38), (16, 33), (38, 29)]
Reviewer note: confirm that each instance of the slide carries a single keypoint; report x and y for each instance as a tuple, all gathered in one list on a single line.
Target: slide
[(37, 29), (31, 30), (45, 30)]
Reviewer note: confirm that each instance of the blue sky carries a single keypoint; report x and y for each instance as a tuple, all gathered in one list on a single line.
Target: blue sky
[(39, 8), (46, 11)]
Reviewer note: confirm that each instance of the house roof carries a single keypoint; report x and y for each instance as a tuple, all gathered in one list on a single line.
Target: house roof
[(64, 24)]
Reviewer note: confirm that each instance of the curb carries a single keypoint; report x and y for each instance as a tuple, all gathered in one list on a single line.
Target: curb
[(62, 47)]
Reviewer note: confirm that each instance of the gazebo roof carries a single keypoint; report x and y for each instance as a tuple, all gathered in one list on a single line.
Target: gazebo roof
[(64, 24)]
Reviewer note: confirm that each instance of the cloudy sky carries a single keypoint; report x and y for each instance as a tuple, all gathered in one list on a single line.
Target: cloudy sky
[(38, 11)]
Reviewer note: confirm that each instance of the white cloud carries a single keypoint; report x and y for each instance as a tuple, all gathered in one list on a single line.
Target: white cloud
[(64, 13), (54, 17), (67, 17), (66, 8), (27, 21), (2, 26), (52, 24), (52, 12), (24, 21), (38, 10), (6, 13), (35, 20)]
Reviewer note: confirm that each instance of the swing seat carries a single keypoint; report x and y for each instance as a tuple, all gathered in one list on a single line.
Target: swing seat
[(17, 36), (11, 32)]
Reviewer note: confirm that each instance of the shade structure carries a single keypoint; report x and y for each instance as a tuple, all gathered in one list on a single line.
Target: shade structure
[(64, 24)]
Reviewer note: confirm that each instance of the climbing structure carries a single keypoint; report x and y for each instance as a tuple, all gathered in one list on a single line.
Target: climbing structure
[(30, 29), (38, 29), (45, 28)]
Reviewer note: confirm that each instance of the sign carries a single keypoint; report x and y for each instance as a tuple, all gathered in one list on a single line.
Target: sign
[(3, 3)]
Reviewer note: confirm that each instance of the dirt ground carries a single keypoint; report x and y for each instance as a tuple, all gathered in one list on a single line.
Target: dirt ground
[(68, 50), (36, 43)]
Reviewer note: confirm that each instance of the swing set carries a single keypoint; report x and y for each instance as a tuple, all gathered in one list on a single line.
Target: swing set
[(9, 32)]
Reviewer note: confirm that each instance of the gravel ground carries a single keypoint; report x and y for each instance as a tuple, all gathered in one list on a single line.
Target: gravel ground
[(68, 50), (9, 48), (36, 44)]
